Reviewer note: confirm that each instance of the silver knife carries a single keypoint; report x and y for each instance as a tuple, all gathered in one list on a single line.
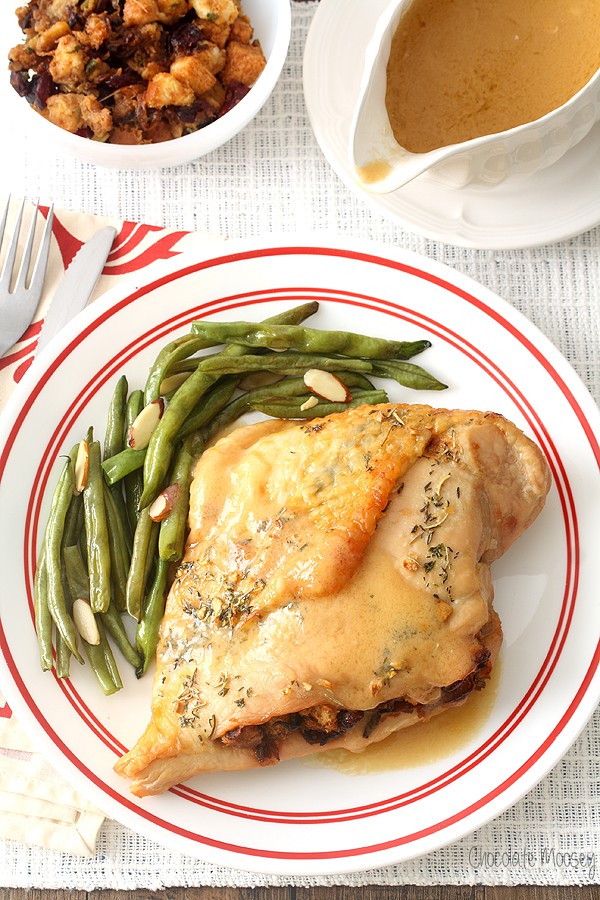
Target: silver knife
[(78, 283)]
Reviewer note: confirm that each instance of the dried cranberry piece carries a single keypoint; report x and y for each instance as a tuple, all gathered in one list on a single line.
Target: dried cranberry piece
[(196, 115), (187, 38), (234, 92), (26, 19), (121, 79), (348, 718), (190, 113), (75, 20), (36, 90), (21, 83), (44, 88)]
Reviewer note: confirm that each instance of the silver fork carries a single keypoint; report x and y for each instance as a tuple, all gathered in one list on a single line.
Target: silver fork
[(18, 306)]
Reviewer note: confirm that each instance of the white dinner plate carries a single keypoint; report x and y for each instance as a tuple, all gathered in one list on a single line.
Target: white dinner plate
[(554, 204), (295, 817)]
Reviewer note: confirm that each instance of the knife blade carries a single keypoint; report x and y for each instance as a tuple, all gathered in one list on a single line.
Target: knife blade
[(78, 283)]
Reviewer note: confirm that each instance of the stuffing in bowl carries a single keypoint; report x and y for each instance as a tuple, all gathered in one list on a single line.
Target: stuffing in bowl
[(139, 72)]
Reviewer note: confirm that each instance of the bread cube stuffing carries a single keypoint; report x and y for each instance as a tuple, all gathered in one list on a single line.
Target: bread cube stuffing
[(134, 71), (191, 71), (221, 12), (166, 90), (78, 112), (244, 63)]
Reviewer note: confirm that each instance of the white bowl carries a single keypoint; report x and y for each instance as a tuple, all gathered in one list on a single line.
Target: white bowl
[(381, 165), (271, 20)]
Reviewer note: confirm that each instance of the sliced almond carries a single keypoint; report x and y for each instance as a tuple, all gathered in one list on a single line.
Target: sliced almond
[(327, 385), (85, 621), (310, 403), (82, 463), (141, 429), (164, 503), (259, 379), (172, 382)]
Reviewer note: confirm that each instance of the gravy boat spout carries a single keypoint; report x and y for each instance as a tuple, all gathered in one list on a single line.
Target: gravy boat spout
[(380, 165)]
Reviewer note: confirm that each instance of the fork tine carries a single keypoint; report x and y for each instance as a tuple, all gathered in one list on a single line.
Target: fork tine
[(21, 281), (18, 307), (9, 264), (4, 217), (41, 263)]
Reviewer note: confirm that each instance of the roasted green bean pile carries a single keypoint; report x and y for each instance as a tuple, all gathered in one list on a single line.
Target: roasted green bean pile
[(118, 518)]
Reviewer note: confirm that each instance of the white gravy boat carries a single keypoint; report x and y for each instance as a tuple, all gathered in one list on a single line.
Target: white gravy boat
[(381, 165)]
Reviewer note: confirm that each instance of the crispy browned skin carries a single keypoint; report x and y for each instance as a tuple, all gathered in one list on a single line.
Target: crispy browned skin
[(336, 585)]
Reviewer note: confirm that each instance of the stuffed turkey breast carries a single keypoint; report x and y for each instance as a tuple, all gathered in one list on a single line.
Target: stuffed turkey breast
[(336, 585)]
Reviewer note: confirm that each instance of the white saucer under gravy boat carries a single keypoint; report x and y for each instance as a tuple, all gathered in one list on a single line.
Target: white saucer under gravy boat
[(381, 165)]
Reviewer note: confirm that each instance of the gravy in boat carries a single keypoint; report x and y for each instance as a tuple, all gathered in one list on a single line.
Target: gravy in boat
[(459, 69)]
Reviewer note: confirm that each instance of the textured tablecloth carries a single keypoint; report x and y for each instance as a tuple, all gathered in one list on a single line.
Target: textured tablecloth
[(552, 836)]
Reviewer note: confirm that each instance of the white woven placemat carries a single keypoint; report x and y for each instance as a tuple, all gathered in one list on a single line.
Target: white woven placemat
[(552, 836)]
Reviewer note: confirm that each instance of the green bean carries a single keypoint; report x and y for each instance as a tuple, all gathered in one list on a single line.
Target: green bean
[(133, 483), (187, 366), (287, 363), (148, 628), (171, 537), (209, 406), (57, 603), (43, 619), (124, 463), (152, 554), (79, 586), (138, 570), (282, 408), (73, 521), (407, 374), (63, 653), (162, 442), (100, 656), (180, 348), (96, 529), (115, 425), (306, 340), (82, 544), (290, 387), (114, 443), (62, 663), (76, 572), (160, 448), (114, 625), (119, 547), (133, 407), (355, 380), (133, 486), (103, 663), (229, 414)]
